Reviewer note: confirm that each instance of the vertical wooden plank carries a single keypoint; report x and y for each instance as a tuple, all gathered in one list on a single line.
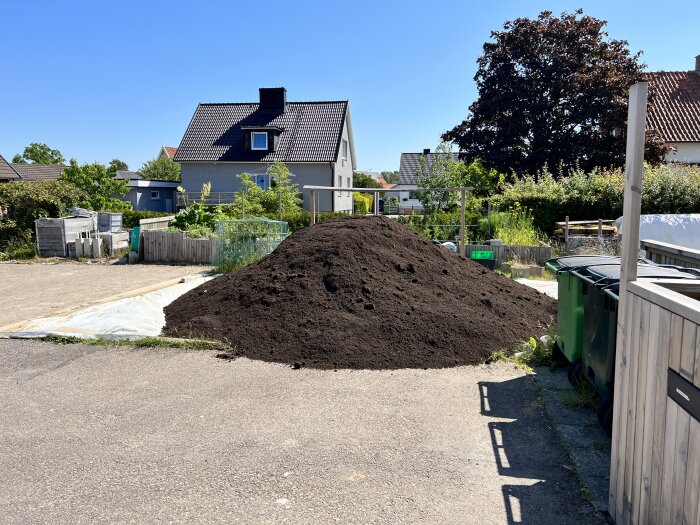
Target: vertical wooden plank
[(633, 351), (658, 317), (692, 479), (687, 362), (680, 460), (659, 427), (650, 319), (619, 441), (674, 356), (676, 340), (665, 510)]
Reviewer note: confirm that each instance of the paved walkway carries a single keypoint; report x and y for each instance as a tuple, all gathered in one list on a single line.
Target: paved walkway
[(113, 435)]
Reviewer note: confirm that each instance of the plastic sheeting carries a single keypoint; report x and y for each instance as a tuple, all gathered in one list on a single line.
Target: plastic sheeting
[(549, 288), (681, 229), (129, 318)]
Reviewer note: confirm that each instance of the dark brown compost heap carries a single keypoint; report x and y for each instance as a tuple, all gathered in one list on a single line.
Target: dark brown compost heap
[(364, 292)]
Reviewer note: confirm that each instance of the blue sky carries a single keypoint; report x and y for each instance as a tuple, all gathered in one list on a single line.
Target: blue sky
[(100, 79)]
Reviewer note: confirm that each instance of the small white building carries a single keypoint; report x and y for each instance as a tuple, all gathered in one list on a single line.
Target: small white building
[(674, 112)]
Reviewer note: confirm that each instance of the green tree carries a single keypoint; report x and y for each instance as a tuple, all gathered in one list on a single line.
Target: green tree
[(485, 181), (442, 172), (99, 184), (118, 165), (392, 177), (552, 92), (160, 168), (37, 153), (360, 180)]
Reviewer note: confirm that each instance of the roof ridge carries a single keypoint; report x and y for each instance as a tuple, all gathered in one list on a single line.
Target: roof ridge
[(258, 103)]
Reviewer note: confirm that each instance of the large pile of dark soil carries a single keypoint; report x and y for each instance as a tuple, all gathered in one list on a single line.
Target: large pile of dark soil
[(362, 292)]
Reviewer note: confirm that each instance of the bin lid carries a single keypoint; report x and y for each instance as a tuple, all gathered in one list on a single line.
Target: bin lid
[(581, 261), (611, 272)]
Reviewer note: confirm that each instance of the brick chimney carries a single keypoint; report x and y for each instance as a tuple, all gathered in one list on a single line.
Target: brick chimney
[(273, 99)]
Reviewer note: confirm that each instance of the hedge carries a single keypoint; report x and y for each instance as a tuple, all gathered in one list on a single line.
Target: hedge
[(600, 194)]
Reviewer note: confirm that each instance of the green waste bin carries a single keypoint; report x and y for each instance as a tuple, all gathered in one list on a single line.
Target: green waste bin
[(599, 334), (570, 302)]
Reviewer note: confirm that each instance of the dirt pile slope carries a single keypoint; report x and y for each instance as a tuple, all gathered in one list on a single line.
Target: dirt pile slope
[(362, 292)]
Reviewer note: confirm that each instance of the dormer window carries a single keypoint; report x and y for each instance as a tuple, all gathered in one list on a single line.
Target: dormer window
[(258, 140)]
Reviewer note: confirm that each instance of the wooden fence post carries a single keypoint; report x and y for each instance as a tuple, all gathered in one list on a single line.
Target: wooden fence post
[(463, 199), (634, 165)]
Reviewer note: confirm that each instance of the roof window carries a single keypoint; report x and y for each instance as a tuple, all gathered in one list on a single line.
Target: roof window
[(258, 140)]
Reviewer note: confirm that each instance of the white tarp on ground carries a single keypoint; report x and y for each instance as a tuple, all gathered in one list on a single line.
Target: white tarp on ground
[(129, 318), (681, 229), (549, 288)]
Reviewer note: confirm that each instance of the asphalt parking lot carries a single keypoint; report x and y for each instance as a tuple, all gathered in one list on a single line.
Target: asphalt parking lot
[(119, 435)]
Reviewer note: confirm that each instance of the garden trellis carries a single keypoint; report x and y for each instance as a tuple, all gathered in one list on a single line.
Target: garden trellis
[(242, 241)]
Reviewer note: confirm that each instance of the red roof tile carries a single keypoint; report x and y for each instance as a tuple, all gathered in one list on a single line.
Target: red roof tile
[(170, 151), (675, 108)]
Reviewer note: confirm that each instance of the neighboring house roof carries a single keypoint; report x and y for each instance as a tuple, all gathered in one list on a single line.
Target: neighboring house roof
[(311, 132), (127, 175), (157, 184), (675, 109), (39, 172), (386, 185), (168, 151), (410, 164), (7, 172)]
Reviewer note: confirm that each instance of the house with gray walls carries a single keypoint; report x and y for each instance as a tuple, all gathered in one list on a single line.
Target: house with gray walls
[(409, 175), (314, 140)]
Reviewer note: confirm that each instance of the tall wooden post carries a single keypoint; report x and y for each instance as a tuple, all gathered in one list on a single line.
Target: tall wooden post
[(632, 208), (313, 206), (463, 203)]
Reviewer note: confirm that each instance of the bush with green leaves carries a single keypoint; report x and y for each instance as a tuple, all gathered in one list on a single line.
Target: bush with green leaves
[(362, 202), (99, 185), (131, 218), (27, 201), (600, 194)]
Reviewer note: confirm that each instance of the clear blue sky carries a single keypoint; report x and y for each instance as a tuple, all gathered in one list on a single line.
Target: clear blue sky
[(103, 79)]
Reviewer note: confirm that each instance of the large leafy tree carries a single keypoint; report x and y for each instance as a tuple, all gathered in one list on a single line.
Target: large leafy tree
[(552, 92), (118, 165), (160, 168), (37, 153), (361, 180), (102, 190)]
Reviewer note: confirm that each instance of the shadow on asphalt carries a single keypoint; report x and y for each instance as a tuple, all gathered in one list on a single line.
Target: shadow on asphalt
[(527, 448)]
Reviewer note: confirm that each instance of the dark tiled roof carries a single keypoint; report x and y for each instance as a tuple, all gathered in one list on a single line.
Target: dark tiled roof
[(7, 172), (410, 163), (128, 175), (675, 109), (312, 132), (170, 151), (37, 172)]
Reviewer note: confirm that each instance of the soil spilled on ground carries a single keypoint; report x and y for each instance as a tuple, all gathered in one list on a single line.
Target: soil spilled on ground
[(363, 293)]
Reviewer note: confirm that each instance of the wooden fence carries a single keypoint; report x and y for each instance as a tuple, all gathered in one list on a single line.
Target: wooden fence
[(655, 467), (175, 247), (538, 254), (665, 253)]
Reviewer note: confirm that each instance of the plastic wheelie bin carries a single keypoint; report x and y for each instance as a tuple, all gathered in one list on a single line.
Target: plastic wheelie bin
[(599, 332), (570, 300)]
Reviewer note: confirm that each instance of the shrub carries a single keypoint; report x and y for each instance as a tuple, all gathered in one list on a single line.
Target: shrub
[(131, 218), (362, 202), (600, 194), (27, 201)]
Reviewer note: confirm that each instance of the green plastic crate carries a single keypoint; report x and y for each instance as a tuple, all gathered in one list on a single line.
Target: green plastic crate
[(482, 254)]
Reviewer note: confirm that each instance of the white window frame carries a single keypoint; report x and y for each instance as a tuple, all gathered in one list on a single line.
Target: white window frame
[(155, 195), (345, 151), (252, 140)]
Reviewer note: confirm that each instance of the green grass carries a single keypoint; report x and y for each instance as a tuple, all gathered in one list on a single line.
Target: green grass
[(144, 342), (584, 395), (529, 354)]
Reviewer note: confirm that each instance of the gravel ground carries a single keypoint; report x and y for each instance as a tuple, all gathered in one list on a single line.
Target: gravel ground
[(31, 290), (93, 435)]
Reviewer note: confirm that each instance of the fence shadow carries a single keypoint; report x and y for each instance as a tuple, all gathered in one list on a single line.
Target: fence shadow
[(526, 448)]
